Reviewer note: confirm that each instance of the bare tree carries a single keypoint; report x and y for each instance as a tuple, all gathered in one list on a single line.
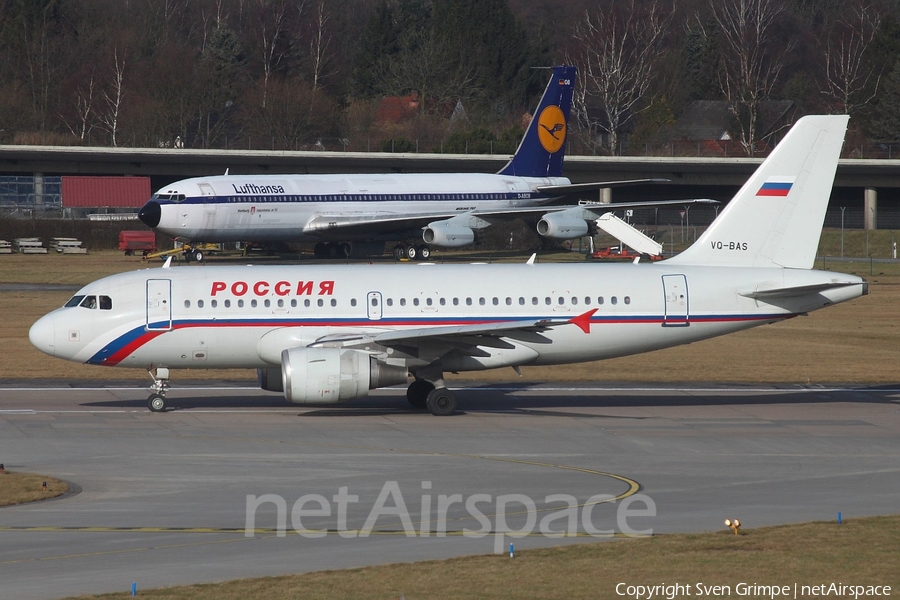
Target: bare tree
[(846, 76), (109, 117), (751, 60), (318, 45), (84, 111), (618, 52), (270, 29)]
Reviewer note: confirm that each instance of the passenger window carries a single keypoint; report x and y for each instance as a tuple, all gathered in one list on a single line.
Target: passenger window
[(306, 303), (627, 300), (574, 300), (353, 301), (443, 302), (280, 303), (547, 301), (199, 303), (456, 302), (334, 301), (481, 301), (521, 301), (561, 300), (187, 303), (266, 303), (253, 303), (374, 301), (213, 303), (534, 300), (228, 304), (614, 300), (468, 302), (402, 301), (105, 303), (241, 303), (600, 300), (320, 302), (587, 300), (428, 301), (415, 301)]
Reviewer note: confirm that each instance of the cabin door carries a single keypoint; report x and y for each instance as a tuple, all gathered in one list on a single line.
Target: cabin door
[(159, 304), (676, 291)]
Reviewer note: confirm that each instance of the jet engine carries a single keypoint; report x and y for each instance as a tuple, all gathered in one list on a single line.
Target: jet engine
[(328, 375), (561, 228), (447, 236)]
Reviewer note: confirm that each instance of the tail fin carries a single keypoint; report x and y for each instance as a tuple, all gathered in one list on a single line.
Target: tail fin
[(541, 151), (776, 218)]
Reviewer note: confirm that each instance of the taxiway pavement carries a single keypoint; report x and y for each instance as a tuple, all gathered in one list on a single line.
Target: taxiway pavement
[(162, 498)]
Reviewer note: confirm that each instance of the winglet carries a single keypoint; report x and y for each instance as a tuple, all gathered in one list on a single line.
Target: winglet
[(584, 320)]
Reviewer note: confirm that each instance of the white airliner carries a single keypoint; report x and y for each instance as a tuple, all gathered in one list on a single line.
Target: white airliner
[(327, 333), (356, 214)]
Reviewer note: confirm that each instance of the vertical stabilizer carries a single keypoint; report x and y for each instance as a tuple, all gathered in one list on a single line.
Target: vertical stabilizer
[(776, 218), (541, 151)]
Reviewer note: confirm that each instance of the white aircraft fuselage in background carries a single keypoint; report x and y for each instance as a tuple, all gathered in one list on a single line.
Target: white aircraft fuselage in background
[(326, 333), (355, 214)]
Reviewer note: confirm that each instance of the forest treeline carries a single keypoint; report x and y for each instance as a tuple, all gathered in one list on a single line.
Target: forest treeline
[(438, 75)]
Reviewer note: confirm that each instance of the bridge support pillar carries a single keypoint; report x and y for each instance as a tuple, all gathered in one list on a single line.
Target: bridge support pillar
[(870, 209)]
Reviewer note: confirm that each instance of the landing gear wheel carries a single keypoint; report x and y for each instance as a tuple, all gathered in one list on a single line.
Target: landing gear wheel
[(343, 250), (424, 252), (319, 250), (399, 252), (441, 402), (156, 403), (417, 393), (412, 252)]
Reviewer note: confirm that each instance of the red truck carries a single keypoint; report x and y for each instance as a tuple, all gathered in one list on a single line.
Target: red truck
[(137, 241)]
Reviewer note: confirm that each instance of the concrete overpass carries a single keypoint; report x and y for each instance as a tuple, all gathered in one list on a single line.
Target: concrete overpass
[(859, 182)]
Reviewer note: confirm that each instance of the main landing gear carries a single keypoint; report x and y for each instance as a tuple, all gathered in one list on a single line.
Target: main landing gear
[(434, 396), (412, 252), (332, 250), (156, 402)]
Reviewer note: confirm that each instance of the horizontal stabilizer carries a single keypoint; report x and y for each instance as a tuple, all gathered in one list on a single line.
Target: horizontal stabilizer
[(576, 188), (800, 290)]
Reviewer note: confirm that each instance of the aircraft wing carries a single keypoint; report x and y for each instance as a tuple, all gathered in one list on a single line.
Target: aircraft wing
[(376, 222), (468, 339)]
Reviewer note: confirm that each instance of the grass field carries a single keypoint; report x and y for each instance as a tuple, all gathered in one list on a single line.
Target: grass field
[(859, 552), (18, 488)]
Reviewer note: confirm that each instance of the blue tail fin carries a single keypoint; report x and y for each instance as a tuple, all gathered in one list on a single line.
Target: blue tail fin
[(541, 151)]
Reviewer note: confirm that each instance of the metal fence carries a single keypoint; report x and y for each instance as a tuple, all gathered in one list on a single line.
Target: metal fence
[(25, 195)]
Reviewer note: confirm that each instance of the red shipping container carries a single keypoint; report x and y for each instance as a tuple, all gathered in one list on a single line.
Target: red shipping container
[(105, 192)]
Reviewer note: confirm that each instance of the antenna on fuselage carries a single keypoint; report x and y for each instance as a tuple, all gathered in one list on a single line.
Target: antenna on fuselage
[(168, 263), (226, 170)]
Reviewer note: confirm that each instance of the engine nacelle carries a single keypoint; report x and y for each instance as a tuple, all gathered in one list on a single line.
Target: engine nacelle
[(562, 228), (328, 375), (447, 236)]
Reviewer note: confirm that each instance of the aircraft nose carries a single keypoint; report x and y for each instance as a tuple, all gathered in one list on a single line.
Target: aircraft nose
[(150, 214), (43, 335)]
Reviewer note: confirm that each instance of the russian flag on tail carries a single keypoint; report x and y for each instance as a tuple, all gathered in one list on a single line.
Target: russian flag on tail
[(776, 186)]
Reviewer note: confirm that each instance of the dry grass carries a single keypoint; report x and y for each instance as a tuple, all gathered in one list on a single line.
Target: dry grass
[(18, 488), (860, 552), (849, 343)]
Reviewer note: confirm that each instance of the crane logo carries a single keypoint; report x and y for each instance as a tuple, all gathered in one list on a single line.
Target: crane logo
[(552, 129)]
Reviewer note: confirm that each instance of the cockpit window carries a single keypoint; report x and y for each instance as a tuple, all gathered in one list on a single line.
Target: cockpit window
[(169, 197), (74, 301), (105, 303), (89, 302)]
